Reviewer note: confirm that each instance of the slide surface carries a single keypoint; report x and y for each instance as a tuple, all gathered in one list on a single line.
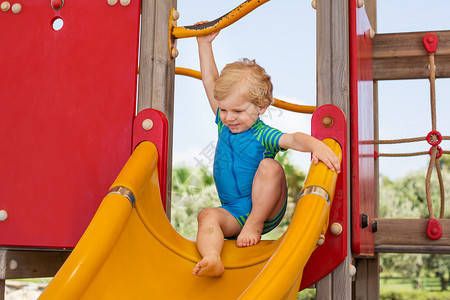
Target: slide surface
[(133, 252)]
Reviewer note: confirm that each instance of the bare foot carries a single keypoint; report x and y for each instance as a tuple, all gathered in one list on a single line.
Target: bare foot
[(210, 266), (250, 234)]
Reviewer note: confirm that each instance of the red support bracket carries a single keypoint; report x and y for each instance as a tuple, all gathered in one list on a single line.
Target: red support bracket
[(152, 125), (434, 229), (430, 42), (328, 121)]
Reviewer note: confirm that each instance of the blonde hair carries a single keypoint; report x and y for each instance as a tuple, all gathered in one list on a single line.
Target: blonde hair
[(250, 79)]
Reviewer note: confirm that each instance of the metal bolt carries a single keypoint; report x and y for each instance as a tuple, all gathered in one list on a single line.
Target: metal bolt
[(147, 124)]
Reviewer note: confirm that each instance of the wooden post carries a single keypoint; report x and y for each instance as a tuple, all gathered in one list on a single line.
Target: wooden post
[(157, 69), (2, 289), (333, 86), (2, 274), (367, 283)]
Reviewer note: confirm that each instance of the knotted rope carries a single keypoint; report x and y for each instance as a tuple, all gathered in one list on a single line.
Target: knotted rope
[(433, 138), (434, 160)]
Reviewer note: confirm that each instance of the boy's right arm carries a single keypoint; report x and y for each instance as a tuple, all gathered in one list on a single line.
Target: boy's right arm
[(208, 67), (305, 143)]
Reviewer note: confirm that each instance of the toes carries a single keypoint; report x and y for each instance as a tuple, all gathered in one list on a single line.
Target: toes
[(242, 242), (203, 263), (196, 269), (199, 266)]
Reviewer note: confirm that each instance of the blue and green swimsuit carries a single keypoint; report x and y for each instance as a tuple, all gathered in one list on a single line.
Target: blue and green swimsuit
[(237, 158)]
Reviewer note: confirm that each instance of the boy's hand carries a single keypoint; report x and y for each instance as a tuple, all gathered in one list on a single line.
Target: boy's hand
[(320, 152), (206, 38), (324, 154)]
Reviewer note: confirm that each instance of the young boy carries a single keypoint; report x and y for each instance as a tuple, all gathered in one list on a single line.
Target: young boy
[(250, 183)]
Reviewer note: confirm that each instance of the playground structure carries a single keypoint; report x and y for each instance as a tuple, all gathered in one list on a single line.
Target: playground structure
[(95, 130)]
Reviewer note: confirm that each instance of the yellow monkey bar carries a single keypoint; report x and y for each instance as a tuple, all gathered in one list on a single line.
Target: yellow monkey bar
[(219, 23), (178, 32)]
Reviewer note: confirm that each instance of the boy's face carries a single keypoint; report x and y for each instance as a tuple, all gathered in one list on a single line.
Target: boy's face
[(239, 114)]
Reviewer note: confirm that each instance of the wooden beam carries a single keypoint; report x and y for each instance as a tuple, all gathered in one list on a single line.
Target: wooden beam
[(403, 56), (409, 236), (29, 263), (157, 70), (414, 67), (16, 264), (2, 289), (146, 59), (408, 44), (333, 54), (333, 85)]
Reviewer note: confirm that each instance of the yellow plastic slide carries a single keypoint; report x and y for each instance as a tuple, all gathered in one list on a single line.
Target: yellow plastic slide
[(132, 251)]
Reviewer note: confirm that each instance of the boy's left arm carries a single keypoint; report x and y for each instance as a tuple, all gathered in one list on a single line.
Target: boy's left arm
[(305, 143)]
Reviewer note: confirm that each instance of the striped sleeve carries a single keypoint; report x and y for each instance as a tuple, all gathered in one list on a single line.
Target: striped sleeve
[(219, 121), (269, 138)]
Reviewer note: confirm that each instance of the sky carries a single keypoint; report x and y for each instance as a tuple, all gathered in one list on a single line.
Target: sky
[(281, 36)]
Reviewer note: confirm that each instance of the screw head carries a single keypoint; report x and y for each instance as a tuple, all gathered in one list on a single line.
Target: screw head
[(147, 124), (3, 215)]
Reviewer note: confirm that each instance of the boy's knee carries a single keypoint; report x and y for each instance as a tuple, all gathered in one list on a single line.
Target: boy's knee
[(206, 214), (271, 167)]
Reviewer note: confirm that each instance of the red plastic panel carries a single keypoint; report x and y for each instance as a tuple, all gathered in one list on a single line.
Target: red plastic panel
[(68, 103), (362, 147), (333, 252), (152, 125)]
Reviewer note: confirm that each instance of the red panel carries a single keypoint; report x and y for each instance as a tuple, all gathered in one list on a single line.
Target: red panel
[(156, 131), (362, 147), (333, 252), (68, 103)]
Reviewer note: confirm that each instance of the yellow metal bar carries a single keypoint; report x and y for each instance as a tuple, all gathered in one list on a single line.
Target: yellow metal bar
[(220, 23), (306, 109), (188, 72)]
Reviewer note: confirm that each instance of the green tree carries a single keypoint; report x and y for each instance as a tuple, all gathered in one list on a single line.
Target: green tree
[(439, 266), (192, 190), (295, 179), (406, 197), (444, 161), (294, 176)]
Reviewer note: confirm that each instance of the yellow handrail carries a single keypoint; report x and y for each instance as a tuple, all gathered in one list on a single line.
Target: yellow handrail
[(306, 109), (220, 23), (310, 220)]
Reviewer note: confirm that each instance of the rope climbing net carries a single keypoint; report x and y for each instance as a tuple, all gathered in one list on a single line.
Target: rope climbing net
[(434, 137)]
